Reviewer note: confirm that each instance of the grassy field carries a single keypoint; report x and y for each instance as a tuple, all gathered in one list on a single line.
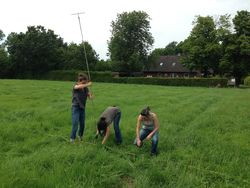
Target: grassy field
[(204, 137)]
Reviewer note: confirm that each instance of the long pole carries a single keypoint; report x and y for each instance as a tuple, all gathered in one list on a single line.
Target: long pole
[(84, 49), (86, 59)]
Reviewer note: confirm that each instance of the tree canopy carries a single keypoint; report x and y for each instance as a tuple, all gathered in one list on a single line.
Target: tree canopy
[(130, 41), (201, 50), (36, 51), (74, 57), (213, 44), (40, 50), (4, 60), (236, 58), (220, 44), (2, 35)]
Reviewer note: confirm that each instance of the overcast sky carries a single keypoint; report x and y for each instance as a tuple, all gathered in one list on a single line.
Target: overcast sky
[(171, 20)]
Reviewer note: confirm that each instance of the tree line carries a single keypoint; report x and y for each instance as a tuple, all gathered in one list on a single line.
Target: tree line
[(40, 50), (221, 44)]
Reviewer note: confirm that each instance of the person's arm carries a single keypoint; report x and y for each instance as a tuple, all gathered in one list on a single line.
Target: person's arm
[(81, 86), (90, 96), (97, 133), (138, 126), (156, 127), (106, 135)]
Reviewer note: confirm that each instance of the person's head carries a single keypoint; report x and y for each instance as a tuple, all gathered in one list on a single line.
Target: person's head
[(82, 78), (145, 112), (102, 126)]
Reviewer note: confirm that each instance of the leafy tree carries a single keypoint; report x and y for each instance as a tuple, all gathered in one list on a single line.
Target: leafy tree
[(4, 59), (130, 41), (103, 66), (74, 57), (172, 48), (4, 63), (36, 51), (237, 49), (242, 23), (202, 49), (223, 28), (1, 36)]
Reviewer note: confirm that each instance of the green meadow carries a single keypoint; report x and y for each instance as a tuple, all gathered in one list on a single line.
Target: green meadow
[(204, 138)]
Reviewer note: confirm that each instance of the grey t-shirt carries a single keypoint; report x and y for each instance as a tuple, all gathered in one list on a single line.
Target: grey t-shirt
[(110, 113), (79, 97)]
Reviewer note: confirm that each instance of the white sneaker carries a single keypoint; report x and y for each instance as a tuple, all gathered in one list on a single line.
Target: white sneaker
[(80, 138), (72, 141)]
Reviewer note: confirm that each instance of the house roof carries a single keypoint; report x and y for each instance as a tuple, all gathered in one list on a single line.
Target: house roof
[(168, 64)]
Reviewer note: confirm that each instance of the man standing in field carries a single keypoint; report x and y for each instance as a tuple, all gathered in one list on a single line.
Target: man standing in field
[(79, 97), (111, 114)]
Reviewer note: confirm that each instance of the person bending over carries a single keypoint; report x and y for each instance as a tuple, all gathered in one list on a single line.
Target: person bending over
[(111, 114)]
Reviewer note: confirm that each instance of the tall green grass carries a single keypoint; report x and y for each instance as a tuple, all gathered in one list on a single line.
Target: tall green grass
[(204, 137)]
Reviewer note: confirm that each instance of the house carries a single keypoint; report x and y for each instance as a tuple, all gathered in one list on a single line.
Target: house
[(169, 66)]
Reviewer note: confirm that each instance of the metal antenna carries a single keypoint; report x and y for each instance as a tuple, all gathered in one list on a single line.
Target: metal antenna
[(86, 59)]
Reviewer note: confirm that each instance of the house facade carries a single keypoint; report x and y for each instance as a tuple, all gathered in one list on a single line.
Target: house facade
[(169, 66)]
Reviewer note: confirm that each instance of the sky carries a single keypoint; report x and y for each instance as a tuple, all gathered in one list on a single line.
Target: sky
[(171, 20)]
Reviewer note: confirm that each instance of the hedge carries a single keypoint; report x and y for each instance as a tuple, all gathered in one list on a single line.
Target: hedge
[(247, 81), (71, 75), (200, 82)]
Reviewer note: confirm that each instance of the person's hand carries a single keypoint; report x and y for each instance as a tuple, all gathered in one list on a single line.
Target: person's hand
[(89, 83), (138, 142), (148, 137), (91, 97)]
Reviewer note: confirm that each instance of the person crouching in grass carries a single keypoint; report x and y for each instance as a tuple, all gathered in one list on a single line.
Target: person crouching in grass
[(147, 127), (80, 93), (111, 114)]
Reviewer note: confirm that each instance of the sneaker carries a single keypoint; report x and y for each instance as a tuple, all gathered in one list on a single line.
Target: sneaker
[(153, 154), (118, 143), (80, 138), (72, 141)]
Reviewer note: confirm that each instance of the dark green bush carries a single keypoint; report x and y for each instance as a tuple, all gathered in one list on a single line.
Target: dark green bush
[(71, 75), (247, 81), (201, 82)]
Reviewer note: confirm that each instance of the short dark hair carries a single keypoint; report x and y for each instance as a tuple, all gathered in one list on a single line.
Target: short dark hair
[(145, 111), (102, 126), (82, 76)]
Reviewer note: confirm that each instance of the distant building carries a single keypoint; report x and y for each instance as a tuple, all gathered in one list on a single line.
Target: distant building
[(169, 66)]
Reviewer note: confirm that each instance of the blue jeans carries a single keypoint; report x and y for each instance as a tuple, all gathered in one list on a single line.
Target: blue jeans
[(78, 116), (118, 135), (144, 132)]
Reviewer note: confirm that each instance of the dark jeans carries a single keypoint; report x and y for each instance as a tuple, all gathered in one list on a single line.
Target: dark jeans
[(144, 133), (118, 135), (78, 116)]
